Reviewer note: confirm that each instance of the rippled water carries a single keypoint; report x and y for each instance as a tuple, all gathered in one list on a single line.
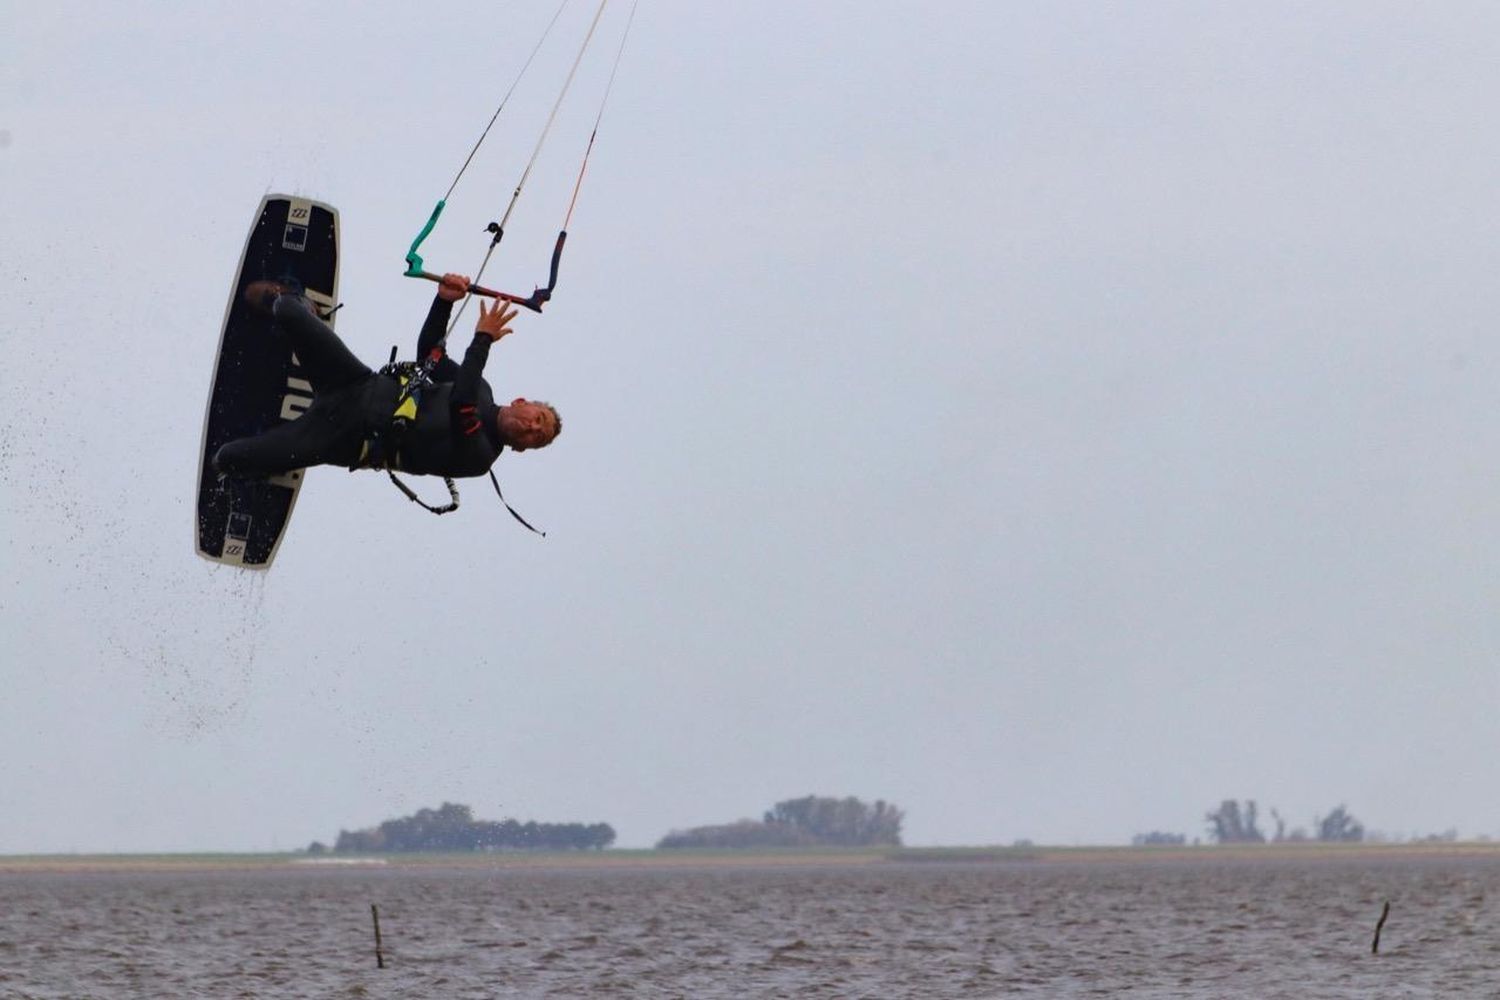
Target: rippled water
[(1262, 929)]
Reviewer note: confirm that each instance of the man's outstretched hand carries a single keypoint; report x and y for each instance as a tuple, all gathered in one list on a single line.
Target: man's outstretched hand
[(453, 287), (494, 319)]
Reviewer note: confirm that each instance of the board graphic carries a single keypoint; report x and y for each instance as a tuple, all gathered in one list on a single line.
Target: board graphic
[(257, 382)]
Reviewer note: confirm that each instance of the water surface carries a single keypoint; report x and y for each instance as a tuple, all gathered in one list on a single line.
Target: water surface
[(1262, 929)]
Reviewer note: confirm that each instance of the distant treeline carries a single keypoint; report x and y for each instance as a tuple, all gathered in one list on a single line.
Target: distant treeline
[(805, 822), (1232, 824), (1157, 838), (1236, 823), (452, 827)]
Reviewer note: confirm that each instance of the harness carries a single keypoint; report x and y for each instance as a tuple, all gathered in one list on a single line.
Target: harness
[(382, 448)]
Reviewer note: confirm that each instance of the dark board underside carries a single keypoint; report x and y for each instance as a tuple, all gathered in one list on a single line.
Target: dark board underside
[(257, 383)]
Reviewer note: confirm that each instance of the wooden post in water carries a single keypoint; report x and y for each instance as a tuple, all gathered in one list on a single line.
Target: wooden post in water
[(380, 957), (1375, 945)]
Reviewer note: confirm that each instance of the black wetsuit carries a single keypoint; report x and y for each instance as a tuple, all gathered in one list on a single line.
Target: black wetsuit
[(455, 432)]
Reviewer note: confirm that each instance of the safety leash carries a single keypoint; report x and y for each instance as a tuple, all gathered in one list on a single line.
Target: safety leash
[(524, 523), (452, 504)]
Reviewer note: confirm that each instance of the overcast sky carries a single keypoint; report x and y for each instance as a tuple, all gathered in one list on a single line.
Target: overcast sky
[(1051, 418)]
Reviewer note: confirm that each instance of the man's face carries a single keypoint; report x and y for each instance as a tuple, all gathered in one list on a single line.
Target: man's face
[(525, 425)]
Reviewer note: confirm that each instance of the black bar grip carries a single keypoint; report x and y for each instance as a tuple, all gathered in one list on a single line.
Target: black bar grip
[(562, 237)]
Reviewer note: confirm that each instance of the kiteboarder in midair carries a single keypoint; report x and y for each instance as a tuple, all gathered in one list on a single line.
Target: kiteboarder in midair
[(450, 426)]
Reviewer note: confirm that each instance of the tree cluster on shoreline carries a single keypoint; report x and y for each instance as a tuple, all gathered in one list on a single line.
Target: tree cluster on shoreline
[(1237, 823), (811, 821), (1231, 824), (1158, 838), (452, 827)]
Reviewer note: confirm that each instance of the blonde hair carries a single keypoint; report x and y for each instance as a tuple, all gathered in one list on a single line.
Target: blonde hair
[(556, 419)]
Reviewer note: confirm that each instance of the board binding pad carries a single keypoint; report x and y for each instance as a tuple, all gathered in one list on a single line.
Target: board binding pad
[(258, 382)]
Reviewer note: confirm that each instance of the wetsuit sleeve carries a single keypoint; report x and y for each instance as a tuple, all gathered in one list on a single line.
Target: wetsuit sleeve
[(433, 331), (466, 386)]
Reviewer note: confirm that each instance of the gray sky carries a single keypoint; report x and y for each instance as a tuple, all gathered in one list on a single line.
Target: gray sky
[(1052, 418)]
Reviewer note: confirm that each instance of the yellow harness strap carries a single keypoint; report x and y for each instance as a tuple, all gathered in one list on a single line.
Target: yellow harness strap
[(408, 408)]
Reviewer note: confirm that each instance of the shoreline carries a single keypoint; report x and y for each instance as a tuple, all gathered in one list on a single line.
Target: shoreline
[(647, 858)]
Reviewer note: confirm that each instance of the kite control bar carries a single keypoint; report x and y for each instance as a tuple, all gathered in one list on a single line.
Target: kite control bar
[(539, 296)]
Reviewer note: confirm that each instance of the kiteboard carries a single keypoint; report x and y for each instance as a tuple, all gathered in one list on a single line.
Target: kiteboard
[(257, 381)]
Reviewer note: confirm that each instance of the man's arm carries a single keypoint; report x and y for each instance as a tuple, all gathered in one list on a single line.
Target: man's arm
[(493, 324), (435, 328)]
